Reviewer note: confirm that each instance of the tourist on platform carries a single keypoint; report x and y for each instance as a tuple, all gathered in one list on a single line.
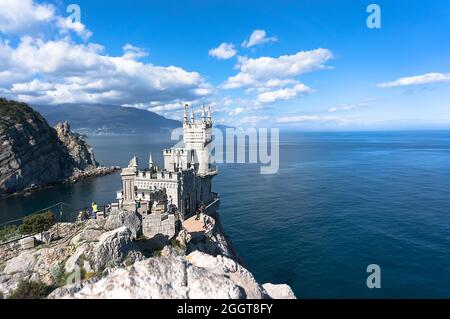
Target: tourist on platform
[(200, 209), (138, 205), (169, 204), (94, 210)]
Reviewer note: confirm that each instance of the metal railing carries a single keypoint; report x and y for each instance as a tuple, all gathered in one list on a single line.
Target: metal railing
[(62, 212)]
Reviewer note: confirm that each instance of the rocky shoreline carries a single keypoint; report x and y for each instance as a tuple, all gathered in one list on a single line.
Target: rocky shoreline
[(78, 175), (104, 258), (34, 155)]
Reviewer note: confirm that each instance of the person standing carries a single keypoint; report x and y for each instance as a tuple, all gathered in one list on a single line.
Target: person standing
[(169, 204), (94, 210)]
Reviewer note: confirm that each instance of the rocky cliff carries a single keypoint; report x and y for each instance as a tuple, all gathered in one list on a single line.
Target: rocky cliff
[(34, 154), (99, 259)]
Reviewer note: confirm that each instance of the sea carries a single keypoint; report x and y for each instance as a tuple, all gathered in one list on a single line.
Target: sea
[(339, 202)]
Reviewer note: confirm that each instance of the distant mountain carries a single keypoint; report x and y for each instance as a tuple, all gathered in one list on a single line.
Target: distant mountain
[(100, 119)]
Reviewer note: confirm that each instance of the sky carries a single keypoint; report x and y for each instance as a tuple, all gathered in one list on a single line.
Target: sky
[(299, 65)]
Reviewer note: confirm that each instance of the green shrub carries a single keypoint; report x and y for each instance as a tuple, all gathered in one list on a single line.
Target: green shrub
[(8, 232), (28, 289), (37, 223)]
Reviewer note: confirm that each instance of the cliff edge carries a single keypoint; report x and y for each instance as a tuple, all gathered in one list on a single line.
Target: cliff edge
[(34, 154), (97, 259)]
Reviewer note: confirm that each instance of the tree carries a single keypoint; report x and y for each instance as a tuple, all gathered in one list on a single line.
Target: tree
[(37, 223)]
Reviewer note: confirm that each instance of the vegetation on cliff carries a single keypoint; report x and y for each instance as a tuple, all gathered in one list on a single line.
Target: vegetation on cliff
[(32, 224), (13, 111), (33, 154)]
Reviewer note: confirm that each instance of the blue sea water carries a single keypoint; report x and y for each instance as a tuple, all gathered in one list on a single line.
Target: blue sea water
[(339, 202)]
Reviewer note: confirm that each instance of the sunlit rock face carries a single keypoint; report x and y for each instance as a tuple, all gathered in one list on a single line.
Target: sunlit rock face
[(33, 154), (196, 276)]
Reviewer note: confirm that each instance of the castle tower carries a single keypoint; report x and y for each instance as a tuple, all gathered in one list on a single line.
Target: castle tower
[(209, 121), (192, 116), (197, 137), (203, 114), (151, 164), (185, 115), (128, 175)]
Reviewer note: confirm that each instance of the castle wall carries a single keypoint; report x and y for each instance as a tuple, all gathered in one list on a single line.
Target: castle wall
[(187, 172), (158, 224)]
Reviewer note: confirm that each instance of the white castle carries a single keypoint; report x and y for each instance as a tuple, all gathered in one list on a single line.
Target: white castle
[(185, 180)]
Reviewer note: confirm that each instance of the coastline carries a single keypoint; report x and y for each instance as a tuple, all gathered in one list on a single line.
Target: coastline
[(76, 177)]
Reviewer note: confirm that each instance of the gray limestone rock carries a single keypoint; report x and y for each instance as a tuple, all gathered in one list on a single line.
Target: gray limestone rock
[(124, 218), (281, 291), (116, 248), (33, 154), (195, 276), (22, 263), (222, 265), (82, 253), (88, 235)]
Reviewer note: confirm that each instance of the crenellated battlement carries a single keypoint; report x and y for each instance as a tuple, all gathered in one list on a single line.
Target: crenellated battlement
[(185, 177)]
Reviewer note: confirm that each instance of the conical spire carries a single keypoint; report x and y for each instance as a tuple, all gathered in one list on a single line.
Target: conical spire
[(150, 161), (209, 113), (203, 114), (192, 115), (150, 158), (185, 115)]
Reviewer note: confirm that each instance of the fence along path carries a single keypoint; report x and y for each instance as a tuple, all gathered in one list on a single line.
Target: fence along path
[(63, 213)]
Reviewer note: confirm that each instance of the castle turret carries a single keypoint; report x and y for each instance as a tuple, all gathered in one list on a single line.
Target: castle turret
[(209, 115), (151, 164), (192, 115), (185, 115), (128, 175), (203, 114), (197, 138)]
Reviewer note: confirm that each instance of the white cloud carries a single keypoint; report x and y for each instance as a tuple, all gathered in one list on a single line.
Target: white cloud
[(227, 101), (258, 37), (258, 70), (283, 94), (20, 17), (415, 80), (66, 24), (272, 83), (223, 52), (346, 107), (236, 111), (254, 119), (64, 72), (133, 52), (31, 87), (300, 119), (23, 15)]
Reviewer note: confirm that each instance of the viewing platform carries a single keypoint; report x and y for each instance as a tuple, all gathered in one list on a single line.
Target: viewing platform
[(197, 228)]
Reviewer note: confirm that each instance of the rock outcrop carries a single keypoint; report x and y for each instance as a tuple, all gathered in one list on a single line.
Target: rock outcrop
[(33, 154), (115, 248), (79, 151), (88, 260), (280, 291), (121, 218), (196, 276)]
